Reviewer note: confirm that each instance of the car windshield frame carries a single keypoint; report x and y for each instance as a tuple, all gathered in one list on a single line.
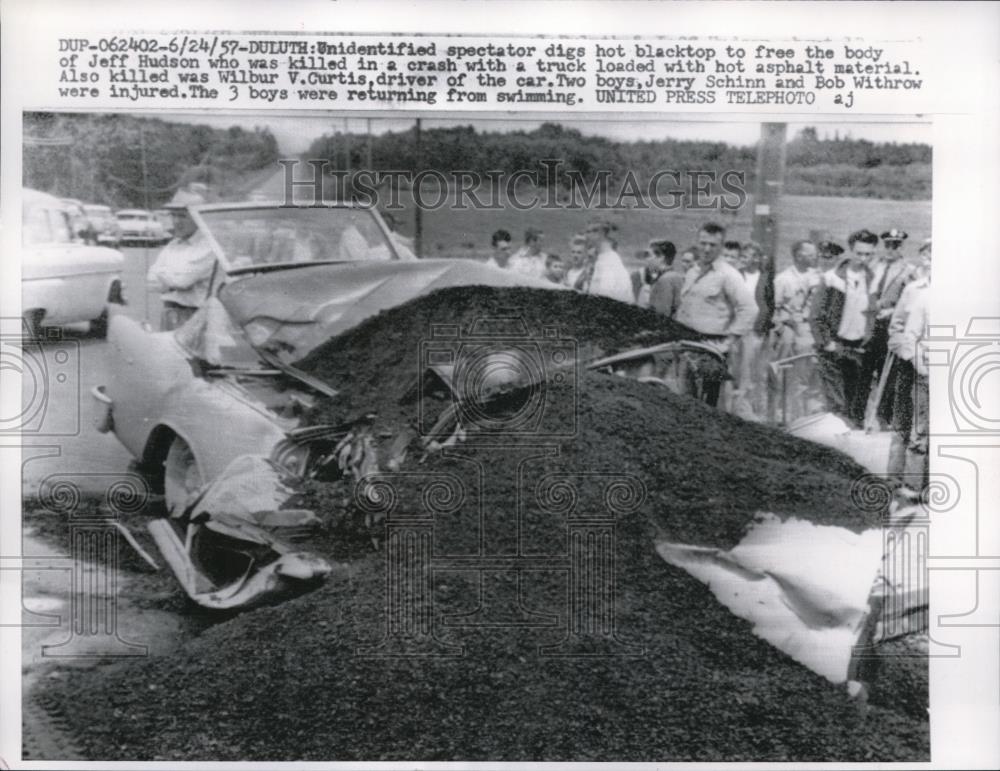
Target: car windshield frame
[(202, 214)]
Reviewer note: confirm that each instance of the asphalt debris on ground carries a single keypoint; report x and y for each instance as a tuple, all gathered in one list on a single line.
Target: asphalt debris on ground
[(680, 678)]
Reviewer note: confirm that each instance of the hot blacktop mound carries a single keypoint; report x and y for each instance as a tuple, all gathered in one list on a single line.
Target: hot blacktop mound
[(494, 669)]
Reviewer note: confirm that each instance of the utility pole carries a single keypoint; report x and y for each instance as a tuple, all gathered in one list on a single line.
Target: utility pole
[(768, 186)]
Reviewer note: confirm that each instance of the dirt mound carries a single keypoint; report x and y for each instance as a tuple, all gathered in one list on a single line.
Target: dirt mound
[(376, 362), (513, 517)]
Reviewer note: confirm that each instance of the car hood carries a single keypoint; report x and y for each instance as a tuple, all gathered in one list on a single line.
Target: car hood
[(290, 312)]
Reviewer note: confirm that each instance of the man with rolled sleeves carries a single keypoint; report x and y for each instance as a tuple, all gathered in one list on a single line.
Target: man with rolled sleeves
[(715, 301), (183, 269)]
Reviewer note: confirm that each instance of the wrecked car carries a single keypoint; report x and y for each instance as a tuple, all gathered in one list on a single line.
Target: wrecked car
[(188, 403)]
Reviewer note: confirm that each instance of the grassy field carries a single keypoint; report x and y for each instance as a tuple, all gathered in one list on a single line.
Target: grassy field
[(454, 233)]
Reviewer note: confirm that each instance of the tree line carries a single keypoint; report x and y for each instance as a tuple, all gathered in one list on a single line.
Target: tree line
[(814, 166), (125, 161)]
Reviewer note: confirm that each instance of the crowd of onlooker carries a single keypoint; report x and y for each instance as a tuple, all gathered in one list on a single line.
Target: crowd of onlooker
[(846, 323)]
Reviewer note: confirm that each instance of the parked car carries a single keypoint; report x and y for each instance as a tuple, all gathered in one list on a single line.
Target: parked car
[(107, 230), (64, 281), (215, 409), (140, 227), (83, 228), (166, 219)]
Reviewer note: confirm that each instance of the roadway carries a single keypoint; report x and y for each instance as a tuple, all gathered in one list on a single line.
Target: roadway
[(57, 375)]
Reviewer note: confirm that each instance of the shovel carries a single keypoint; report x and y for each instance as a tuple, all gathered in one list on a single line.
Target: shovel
[(871, 413)]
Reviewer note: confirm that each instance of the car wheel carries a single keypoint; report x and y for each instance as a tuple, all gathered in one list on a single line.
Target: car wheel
[(181, 479), (115, 294)]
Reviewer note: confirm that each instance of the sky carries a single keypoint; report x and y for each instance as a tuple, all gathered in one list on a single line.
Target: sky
[(295, 134)]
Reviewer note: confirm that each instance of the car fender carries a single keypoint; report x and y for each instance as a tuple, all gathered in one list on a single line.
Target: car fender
[(70, 282), (217, 426), (153, 388)]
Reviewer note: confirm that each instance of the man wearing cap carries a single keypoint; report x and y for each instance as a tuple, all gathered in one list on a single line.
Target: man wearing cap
[(183, 268), (904, 329), (828, 254), (890, 275), (841, 321)]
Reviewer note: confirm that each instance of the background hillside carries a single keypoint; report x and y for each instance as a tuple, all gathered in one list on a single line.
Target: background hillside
[(100, 158)]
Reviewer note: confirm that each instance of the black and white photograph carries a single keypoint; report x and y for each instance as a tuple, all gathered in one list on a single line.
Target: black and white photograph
[(408, 432)]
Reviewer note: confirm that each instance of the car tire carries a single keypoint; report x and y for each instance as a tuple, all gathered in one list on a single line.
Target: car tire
[(115, 294), (181, 477)]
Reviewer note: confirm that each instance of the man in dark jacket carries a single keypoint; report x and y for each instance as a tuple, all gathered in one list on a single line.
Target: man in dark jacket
[(841, 320), (890, 274)]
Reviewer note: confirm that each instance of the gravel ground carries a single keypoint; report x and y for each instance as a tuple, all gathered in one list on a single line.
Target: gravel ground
[(297, 681)]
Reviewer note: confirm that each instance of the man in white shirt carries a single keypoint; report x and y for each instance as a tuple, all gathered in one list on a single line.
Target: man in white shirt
[(529, 260), (903, 334), (916, 467), (841, 320), (578, 262), (716, 302), (500, 241), (793, 288), (183, 269), (607, 275), (750, 397)]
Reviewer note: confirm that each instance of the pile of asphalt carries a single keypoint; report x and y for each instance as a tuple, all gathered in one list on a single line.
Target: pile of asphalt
[(326, 676), (375, 364)]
